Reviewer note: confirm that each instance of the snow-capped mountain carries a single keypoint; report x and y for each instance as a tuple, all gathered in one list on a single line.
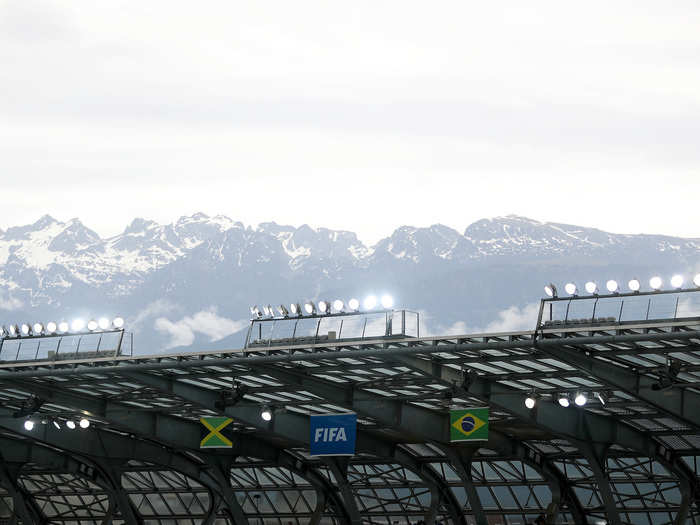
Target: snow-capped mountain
[(179, 283)]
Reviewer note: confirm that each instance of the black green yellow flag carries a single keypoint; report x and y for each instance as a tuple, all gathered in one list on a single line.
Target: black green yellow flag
[(469, 424), (213, 432)]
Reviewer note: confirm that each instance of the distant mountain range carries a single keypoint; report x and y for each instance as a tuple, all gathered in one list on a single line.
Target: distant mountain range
[(190, 283)]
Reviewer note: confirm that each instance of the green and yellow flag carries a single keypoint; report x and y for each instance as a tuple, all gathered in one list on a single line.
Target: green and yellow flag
[(469, 424), (213, 432)]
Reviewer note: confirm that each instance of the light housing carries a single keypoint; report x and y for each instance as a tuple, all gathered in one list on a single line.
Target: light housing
[(70, 424), (354, 304), (634, 285), (655, 283), (324, 307), (580, 399), (266, 414), (29, 425), (591, 287), (387, 301), (25, 329), (56, 424), (295, 308), (696, 280), (13, 330), (338, 305), (103, 323), (77, 325), (84, 423), (550, 290), (283, 310), (603, 398), (310, 307), (92, 325), (370, 302), (530, 402), (3, 331), (571, 288), (563, 400), (612, 286), (63, 327), (118, 322), (38, 328), (51, 327), (677, 281)]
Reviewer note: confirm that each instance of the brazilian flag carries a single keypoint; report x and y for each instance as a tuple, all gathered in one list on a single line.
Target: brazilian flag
[(469, 424), (216, 432)]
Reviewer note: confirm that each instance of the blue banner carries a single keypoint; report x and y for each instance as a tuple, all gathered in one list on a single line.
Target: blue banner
[(333, 435)]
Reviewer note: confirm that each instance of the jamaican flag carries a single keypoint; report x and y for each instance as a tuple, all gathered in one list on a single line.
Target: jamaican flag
[(216, 432), (469, 424)]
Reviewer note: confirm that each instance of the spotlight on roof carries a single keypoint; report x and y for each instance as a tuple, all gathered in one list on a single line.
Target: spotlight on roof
[(387, 301), (283, 310), (70, 424), (103, 323), (266, 414), (324, 307), (370, 302), (696, 280), (580, 399), (38, 328), (63, 327), (255, 311), (77, 325), (92, 325), (3, 331), (591, 287), (655, 282), (56, 424), (571, 288), (29, 425), (603, 398), (13, 330), (51, 327), (84, 423), (612, 286), (677, 281), (118, 322), (310, 307), (354, 304), (550, 290), (563, 400), (634, 285), (25, 329), (295, 308), (530, 401), (268, 311), (338, 305)]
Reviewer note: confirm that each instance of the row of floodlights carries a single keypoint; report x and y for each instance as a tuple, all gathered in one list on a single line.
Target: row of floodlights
[(564, 399), (323, 307), (51, 328), (655, 283), (84, 423)]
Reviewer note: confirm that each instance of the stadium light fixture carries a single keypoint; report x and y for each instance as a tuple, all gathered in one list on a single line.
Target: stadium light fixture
[(354, 304), (580, 399), (78, 325), (266, 413), (324, 307), (92, 325), (84, 423), (563, 400), (29, 425), (295, 308), (38, 328), (370, 302), (571, 289), (612, 286), (634, 285), (655, 283), (530, 401), (118, 322), (25, 329), (310, 307), (338, 305), (696, 280), (63, 327), (550, 290), (387, 301), (283, 310), (51, 327), (13, 330), (70, 424), (255, 311), (56, 424), (603, 398), (3, 331), (677, 281), (103, 323), (591, 287)]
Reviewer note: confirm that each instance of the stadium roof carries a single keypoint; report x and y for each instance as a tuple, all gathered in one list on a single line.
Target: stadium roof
[(630, 455)]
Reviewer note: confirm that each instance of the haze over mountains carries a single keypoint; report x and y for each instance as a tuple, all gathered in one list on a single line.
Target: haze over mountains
[(190, 283)]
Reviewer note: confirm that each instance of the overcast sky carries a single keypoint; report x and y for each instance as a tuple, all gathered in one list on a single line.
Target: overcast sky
[(356, 115)]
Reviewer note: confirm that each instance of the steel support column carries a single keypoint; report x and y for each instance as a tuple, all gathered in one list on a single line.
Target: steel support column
[(461, 461), (220, 470), (595, 456), (339, 469), (25, 507)]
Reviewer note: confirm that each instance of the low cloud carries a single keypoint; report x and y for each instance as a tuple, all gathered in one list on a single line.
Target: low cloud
[(156, 308), (515, 318), (9, 303), (206, 322)]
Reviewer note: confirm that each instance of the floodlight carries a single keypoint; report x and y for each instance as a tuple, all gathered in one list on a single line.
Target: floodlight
[(591, 287), (571, 288), (324, 307), (266, 414), (612, 286), (283, 310), (370, 302), (92, 325), (580, 399), (63, 327), (51, 327), (84, 423), (603, 398), (38, 328), (28, 424), (387, 301), (295, 308), (354, 304), (530, 402), (56, 424), (268, 311), (103, 323), (77, 325), (696, 280), (310, 307), (655, 282), (3, 331), (70, 424), (677, 281), (634, 285), (550, 290), (338, 305), (118, 322), (13, 330), (26, 329), (564, 400)]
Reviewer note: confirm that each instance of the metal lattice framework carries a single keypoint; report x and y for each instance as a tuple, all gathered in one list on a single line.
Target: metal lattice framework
[(632, 459)]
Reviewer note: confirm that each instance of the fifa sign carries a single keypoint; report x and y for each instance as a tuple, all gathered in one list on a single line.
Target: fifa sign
[(333, 435)]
